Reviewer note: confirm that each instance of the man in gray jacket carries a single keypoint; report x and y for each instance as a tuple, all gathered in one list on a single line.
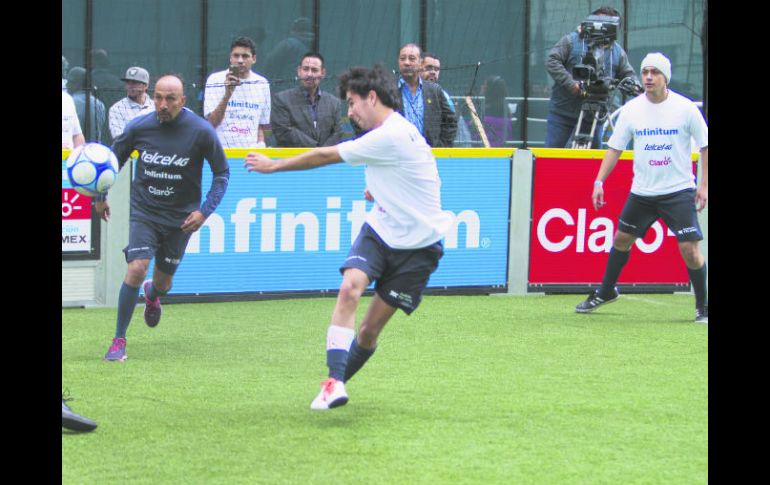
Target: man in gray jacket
[(567, 93), (305, 116)]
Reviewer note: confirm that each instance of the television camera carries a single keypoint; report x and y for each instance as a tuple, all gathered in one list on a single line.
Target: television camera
[(596, 87)]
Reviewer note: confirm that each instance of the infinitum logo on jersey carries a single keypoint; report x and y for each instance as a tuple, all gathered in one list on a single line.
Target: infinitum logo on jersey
[(656, 131), (242, 104), (158, 159)]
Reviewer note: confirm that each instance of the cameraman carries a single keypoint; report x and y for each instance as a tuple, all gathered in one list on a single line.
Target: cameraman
[(567, 93)]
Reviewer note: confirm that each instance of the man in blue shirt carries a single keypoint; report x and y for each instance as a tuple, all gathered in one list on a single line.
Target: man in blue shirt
[(166, 209), (423, 102)]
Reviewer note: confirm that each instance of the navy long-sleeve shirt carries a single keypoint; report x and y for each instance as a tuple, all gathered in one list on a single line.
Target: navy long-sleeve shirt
[(167, 183)]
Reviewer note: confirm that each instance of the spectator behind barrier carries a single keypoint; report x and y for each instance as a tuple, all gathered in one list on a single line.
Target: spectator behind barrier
[(566, 96), (305, 116), (237, 100), (96, 128), (497, 115), (431, 71), (136, 102), (423, 103)]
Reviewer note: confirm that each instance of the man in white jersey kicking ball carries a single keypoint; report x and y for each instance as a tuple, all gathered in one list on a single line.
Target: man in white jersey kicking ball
[(399, 245), (662, 124)]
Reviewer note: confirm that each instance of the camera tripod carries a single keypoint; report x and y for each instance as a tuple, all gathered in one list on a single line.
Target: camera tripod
[(596, 105), (595, 108)]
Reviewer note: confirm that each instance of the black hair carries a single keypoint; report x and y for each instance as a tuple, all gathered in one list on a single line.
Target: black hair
[(412, 44), (430, 54), (606, 10), (312, 54), (495, 92), (246, 42), (360, 80)]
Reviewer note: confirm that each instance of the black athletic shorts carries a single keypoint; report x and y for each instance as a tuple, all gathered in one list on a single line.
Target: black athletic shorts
[(147, 239), (677, 210), (401, 275)]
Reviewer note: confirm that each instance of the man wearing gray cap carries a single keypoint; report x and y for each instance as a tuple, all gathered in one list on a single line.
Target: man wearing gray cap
[(662, 125), (135, 103)]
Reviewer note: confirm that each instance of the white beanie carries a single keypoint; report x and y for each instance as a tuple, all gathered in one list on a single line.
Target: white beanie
[(659, 62)]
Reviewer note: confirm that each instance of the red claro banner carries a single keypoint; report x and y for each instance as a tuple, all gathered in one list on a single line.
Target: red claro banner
[(570, 240)]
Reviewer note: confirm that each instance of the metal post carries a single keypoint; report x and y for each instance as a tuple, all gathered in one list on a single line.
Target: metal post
[(522, 170)]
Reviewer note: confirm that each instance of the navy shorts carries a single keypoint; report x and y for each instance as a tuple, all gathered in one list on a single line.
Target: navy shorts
[(147, 239), (677, 210), (401, 275)]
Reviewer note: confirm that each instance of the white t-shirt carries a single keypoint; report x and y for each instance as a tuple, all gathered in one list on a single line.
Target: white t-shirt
[(70, 125), (662, 134), (402, 177), (249, 107)]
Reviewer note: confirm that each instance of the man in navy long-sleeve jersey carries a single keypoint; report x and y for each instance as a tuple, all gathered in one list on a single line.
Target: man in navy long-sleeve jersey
[(166, 209)]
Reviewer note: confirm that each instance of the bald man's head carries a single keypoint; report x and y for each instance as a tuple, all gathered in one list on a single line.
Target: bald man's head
[(169, 98)]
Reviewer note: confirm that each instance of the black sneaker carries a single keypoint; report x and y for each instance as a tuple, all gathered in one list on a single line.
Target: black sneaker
[(152, 308), (702, 314), (74, 421), (594, 301)]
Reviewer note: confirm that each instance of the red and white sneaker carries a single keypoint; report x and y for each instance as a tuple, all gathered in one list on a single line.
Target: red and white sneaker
[(332, 395)]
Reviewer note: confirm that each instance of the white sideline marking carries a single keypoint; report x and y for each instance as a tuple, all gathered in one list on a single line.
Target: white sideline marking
[(645, 300)]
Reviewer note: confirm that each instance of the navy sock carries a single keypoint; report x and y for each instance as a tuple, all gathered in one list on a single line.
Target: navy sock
[(615, 264), (698, 280), (336, 360), (152, 293), (127, 299), (357, 359)]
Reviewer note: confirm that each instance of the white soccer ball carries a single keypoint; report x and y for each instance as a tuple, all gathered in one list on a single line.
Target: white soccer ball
[(92, 168)]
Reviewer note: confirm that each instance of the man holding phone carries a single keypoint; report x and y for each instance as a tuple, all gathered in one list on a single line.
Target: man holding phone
[(237, 100)]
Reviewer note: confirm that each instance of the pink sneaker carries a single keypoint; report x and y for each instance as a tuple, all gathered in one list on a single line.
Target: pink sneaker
[(117, 350)]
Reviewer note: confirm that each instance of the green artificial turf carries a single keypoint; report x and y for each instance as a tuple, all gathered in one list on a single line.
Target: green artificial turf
[(469, 389)]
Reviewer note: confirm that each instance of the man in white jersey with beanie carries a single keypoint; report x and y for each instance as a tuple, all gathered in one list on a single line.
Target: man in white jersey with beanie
[(399, 245), (662, 124)]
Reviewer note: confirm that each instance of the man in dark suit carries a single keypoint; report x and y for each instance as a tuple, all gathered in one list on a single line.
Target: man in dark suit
[(305, 116), (423, 102)]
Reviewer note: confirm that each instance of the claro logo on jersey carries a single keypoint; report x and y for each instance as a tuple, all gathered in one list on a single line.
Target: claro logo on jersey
[(558, 230), (660, 163), (278, 230), (241, 131), (165, 160)]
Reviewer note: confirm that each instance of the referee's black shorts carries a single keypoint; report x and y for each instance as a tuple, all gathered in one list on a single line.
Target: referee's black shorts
[(676, 209), (401, 275)]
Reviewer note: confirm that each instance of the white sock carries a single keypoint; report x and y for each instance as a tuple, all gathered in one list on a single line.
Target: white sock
[(339, 338)]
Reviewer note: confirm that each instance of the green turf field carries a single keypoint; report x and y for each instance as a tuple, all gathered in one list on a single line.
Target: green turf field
[(469, 389)]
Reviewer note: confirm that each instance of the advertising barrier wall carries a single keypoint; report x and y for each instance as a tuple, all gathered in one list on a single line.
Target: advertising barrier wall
[(291, 231), (570, 240)]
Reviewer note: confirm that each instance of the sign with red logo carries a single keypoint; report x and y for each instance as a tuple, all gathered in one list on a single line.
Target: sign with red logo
[(75, 205), (570, 240), (75, 221)]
